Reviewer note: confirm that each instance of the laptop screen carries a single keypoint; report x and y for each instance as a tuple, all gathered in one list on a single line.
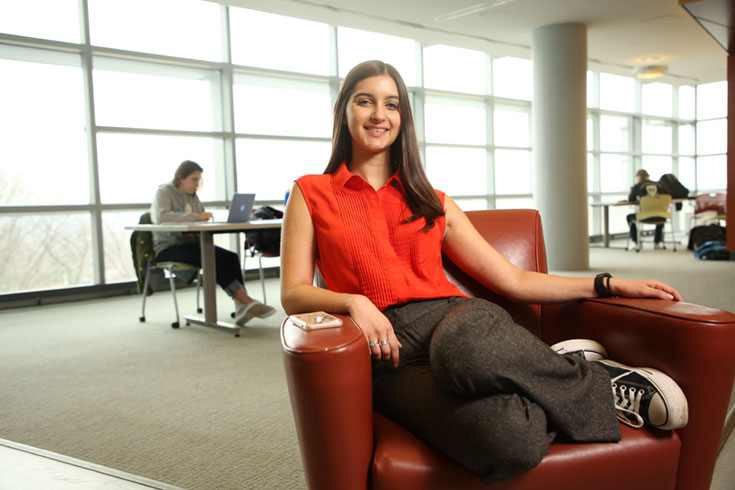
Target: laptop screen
[(240, 208)]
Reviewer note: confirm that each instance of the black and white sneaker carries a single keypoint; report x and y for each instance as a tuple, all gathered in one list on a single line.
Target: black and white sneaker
[(247, 311), (646, 395), (582, 348)]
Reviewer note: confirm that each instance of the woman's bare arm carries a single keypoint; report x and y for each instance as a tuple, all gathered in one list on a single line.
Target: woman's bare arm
[(298, 295), (464, 245)]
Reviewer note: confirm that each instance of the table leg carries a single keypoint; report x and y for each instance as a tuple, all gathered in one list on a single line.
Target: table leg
[(206, 241), (208, 273), (606, 226)]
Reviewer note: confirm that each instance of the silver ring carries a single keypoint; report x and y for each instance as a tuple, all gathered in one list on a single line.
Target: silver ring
[(372, 344), (384, 342)]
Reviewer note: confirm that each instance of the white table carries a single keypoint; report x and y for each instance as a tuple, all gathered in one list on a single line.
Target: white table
[(206, 230)]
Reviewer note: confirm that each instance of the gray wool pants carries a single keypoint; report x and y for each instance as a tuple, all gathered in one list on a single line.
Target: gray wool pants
[(486, 392)]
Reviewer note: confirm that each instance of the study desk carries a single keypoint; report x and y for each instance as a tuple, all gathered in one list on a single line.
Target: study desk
[(206, 230), (606, 215)]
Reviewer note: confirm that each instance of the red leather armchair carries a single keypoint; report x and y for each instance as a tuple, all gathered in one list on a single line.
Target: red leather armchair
[(344, 445)]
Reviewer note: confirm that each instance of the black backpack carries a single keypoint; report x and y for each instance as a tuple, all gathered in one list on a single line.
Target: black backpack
[(671, 185), (706, 233), (266, 241)]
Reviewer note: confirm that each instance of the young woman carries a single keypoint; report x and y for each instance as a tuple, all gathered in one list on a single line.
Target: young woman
[(177, 201), (470, 382)]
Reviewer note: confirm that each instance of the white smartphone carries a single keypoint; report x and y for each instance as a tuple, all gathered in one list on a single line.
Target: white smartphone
[(315, 320)]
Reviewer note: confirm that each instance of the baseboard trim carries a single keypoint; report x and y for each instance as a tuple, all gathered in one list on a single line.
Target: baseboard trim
[(727, 429), (120, 475), (81, 293)]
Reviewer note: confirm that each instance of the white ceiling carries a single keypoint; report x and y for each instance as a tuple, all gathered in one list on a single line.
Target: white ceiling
[(621, 33)]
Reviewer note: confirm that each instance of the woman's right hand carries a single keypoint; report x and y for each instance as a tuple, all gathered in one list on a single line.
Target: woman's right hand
[(377, 329), (204, 216)]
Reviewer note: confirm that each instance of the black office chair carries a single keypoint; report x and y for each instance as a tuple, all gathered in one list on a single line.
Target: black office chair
[(141, 244)]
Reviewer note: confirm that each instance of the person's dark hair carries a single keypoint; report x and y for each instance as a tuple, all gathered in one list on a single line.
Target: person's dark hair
[(420, 195), (642, 174), (185, 169)]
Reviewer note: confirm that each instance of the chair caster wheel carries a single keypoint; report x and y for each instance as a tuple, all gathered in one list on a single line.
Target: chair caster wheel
[(175, 325), (142, 319)]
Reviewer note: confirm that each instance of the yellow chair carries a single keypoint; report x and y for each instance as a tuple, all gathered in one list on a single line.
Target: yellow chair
[(654, 210)]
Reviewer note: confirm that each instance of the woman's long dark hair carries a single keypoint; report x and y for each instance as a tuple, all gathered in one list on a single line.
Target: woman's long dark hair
[(420, 195), (185, 169)]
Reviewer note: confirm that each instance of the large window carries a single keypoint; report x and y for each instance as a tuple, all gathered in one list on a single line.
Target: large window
[(457, 171), (132, 166), (617, 93), (513, 78), (441, 116), (259, 39), (273, 106), (181, 28), (51, 250), (649, 126), (455, 69), (43, 152), (356, 46), (711, 136), (89, 128), (269, 167), (60, 19), (136, 95)]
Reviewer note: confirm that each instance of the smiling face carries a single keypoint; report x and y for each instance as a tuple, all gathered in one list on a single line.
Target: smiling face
[(373, 115)]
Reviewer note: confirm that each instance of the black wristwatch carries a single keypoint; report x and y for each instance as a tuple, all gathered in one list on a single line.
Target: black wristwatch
[(602, 286)]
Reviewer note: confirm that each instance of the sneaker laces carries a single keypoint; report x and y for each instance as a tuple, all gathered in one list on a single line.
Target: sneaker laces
[(628, 402)]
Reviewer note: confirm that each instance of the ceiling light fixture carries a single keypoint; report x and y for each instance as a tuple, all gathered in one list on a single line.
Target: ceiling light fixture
[(647, 72), (472, 9)]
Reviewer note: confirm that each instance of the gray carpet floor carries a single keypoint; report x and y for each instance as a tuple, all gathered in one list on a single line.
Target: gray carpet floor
[(196, 407)]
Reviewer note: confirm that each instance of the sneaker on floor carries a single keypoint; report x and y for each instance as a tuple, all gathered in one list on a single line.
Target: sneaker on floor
[(262, 310), (583, 348), (646, 395), (245, 312), (248, 311)]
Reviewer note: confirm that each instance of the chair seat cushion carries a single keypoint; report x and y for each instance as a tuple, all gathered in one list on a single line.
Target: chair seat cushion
[(644, 459)]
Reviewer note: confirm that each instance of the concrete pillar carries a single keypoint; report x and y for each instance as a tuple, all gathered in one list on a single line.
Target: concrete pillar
[(559, 121)]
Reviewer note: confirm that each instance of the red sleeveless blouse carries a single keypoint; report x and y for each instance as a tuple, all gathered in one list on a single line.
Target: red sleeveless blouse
[(363, 245)]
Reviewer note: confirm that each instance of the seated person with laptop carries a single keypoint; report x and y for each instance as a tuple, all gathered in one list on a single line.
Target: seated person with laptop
[(178, 202)]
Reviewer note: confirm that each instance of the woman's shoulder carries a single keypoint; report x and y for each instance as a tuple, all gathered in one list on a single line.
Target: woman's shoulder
[(315, 178), (314, 181), (167, 189)]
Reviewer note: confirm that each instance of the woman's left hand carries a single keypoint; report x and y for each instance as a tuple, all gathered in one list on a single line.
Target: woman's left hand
[(643, 288)]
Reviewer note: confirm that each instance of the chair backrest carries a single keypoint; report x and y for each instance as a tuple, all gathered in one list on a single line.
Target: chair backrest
[(652, 189), (517, 234), (141, 248), (656, 206)]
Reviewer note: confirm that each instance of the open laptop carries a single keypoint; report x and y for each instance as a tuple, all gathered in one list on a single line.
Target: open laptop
[(241, 208)]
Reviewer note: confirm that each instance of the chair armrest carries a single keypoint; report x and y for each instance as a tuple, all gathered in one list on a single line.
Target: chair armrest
[(693, 344), (330, 384)]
